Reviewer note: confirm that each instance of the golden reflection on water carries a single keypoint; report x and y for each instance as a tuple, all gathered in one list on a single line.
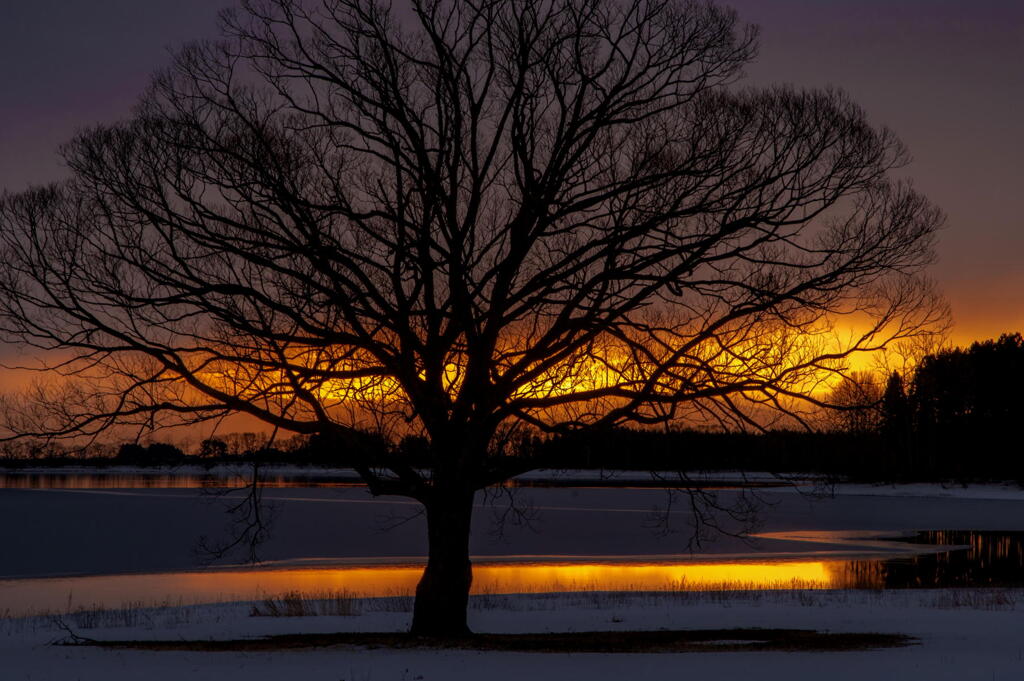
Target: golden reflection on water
[(653, 577), (985, 558), (60, 594)]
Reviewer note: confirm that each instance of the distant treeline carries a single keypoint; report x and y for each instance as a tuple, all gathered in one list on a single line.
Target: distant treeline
[(838, 453), (956, 417)]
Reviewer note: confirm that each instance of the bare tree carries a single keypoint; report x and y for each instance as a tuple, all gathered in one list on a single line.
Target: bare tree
[(855, 403), (463, 220)]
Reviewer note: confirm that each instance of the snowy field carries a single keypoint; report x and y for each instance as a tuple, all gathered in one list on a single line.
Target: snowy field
[(963, 634), (971, 635)]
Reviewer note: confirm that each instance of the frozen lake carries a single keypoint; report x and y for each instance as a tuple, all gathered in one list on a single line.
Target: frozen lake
[(111, 545)]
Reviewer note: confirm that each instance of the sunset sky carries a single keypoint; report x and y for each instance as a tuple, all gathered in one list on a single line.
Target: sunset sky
[(946, 75)]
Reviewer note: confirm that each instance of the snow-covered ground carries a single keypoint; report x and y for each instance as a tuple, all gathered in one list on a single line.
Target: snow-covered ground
[(973, 635)]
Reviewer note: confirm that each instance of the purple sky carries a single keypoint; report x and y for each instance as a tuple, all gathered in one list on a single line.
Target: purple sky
[(946, 75)]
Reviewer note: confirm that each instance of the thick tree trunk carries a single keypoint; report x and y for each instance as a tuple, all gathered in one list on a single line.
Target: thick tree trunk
[(442, 596)]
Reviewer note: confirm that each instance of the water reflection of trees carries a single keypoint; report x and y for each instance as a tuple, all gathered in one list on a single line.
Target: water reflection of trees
[(82, 481), (992, 559)]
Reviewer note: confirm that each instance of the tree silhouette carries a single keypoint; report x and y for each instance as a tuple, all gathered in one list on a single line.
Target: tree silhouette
[(895, 422), (462, 221), (967, 409)]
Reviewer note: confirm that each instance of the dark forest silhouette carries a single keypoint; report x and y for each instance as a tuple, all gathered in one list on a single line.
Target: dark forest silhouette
[(959, 414)]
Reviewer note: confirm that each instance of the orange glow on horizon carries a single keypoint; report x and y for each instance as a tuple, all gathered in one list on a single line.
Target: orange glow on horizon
[(768, 355)]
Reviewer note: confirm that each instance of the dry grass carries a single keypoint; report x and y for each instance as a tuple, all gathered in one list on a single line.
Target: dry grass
[(970, 599), (977, 599), (316, 604), (129, 614)]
